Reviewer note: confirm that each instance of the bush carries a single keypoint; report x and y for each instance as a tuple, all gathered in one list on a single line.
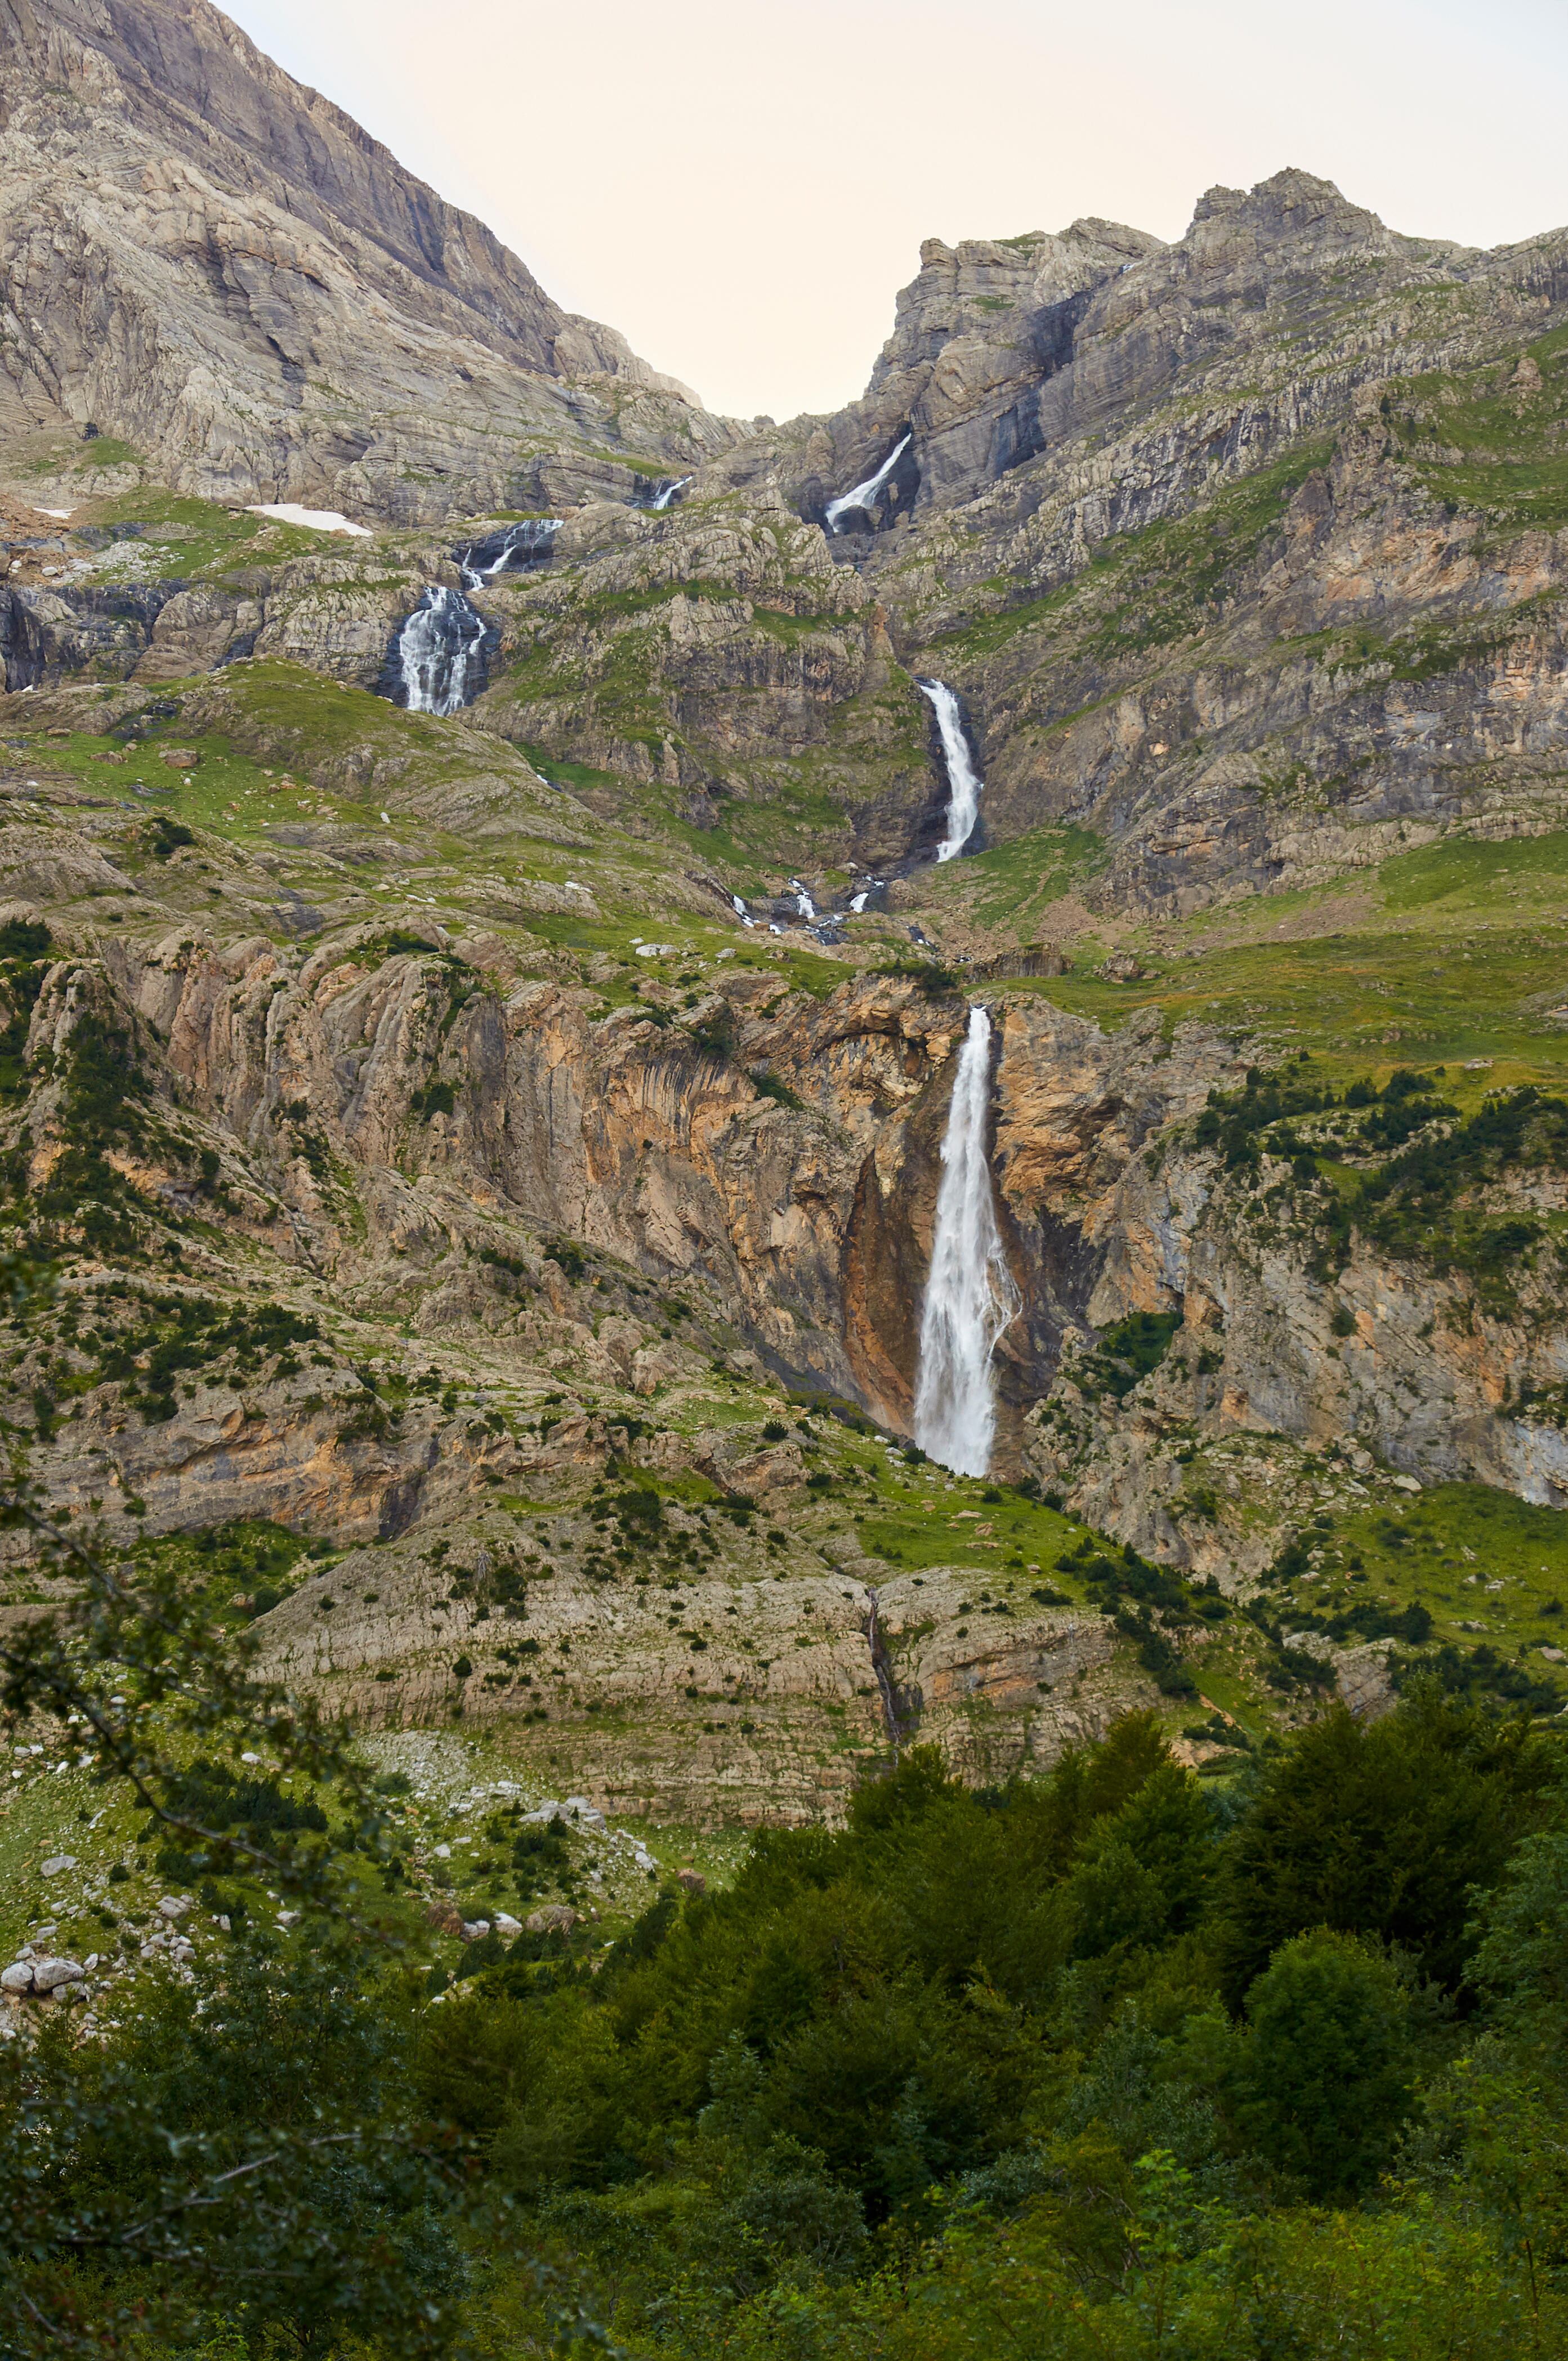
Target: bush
[(1328, 2069)]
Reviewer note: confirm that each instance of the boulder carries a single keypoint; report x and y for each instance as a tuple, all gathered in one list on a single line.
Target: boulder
[(443, 1918), (174, 1906), (554, 1918), (48, 1975), (57, 1863), (17, 1977), (508, 1928), (473, 1930), (691, 1879)]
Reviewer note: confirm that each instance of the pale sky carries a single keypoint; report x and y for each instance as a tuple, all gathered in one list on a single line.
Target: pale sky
[(741, 188)]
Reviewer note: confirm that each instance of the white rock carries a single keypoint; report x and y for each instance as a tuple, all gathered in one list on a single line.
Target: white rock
[(173, 1906), (50, 1974), (1405, 1484), (17, 1977), (57, 1863), (507, 1926), (443, 1852), (472, 1929)]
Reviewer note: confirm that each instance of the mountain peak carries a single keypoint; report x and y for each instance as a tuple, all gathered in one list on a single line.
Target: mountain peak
[(226, 271)]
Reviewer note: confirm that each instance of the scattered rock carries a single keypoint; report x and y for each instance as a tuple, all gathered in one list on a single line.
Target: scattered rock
[(57, 1863), (17, 1977), (174, 1906), (473, 1930)]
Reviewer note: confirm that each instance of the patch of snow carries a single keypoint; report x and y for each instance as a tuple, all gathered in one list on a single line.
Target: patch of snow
[(315, 519)]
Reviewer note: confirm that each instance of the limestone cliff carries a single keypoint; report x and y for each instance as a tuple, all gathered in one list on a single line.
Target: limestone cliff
[(212, 265)]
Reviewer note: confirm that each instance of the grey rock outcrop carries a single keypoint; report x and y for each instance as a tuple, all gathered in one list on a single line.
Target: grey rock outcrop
[(217, 266)]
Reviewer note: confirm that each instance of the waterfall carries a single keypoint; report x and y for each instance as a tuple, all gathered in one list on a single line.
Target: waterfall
[(519, 550), (803, 901), (969, 1294), (863, 495), (964, 782), (440, 653), (665, 490), (741, 912)]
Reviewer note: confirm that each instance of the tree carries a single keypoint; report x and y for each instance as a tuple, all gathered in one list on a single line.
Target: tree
[(1328, 2075), (1384, 1829)]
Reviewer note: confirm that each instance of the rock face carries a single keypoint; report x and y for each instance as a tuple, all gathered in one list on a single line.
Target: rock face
[(809, 1223), (215, 266), (980, 334), (1199, 534)]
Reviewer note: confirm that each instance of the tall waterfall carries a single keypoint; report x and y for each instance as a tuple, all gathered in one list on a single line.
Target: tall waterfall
[(441, 653), (969, 1294), (964, 782), (664, 491), (863, 495)]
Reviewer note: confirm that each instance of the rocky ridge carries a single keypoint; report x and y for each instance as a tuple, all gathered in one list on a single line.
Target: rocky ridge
[(212, 264)]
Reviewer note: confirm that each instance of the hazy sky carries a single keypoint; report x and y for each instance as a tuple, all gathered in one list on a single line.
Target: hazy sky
[(741, 188)]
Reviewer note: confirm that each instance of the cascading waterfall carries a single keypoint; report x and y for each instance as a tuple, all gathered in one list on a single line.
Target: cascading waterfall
[(665, 490), (969, 1293), (863, 495), (441, 658), (803, 901), (964, 782), (519, 550)]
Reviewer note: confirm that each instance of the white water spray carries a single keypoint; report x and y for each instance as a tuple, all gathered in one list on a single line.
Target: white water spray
[(519, 550), (964, 782), (666, 493), (863, 495), (969, 1294), (441, 653), (803, 901)]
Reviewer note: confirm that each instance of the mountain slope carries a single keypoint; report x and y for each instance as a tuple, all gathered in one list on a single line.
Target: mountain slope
[(459, 1130), (215, 266)]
